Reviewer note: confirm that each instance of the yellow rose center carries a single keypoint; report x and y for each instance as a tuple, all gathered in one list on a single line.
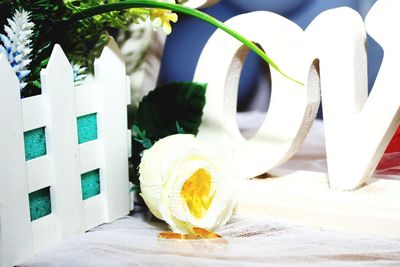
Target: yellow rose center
[(196, 193)]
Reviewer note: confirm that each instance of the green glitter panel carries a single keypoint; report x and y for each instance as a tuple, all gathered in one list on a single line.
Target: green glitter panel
[(35, 143), (90, 182), (87, 128), (39, 203)]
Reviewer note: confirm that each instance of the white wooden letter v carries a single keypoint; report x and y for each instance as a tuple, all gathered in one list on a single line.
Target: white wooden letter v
[(357, 127)]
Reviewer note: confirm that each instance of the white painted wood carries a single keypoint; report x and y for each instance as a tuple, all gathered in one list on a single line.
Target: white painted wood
[(128, 91), (292, 108), (341, 50), (57, 110), (129, 137), (303, 197), (34, 113), (95, 211), (89, 156), (337, 39), (16, 240), (131, 197), (111, 81), (62, 141), (200, 3), (38, 173), (384, 14), (348, 111), (86, 99), (45, 233)]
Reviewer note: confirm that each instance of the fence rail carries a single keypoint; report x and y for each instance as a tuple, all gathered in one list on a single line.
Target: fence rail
[(67, 161)]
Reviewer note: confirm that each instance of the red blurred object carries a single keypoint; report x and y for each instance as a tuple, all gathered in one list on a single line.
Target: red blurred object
[(394, 145), (390, 162)]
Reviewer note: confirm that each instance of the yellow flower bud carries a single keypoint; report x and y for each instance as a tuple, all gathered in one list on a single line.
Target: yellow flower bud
[(162, 18)]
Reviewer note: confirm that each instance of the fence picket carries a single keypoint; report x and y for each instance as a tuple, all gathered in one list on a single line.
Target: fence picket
[(111, 80), (34, 112), (16, 239), (58, 89), (89, 159), (86, 99)]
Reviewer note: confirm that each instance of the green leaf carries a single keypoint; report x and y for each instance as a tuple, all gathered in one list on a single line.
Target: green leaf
[(122, 5), (141, 138), (170, 105), (179, 129)]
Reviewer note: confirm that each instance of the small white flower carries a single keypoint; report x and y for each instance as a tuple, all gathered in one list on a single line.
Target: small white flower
[(17, 44), (185, 184)]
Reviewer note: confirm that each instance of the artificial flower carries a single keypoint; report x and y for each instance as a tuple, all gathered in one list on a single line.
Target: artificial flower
[(17, 44), (184, 183), (161, 18)]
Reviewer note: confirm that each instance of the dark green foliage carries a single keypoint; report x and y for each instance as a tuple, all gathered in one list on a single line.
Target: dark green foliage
[(5, 7), (161, 110), (81, 40), (134, 161), (169, 109), (115, 19)]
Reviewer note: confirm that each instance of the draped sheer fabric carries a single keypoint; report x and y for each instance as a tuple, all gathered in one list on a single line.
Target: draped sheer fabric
[(256, 241), (132, 241)]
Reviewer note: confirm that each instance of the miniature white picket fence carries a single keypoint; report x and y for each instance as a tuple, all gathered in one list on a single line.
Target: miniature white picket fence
[(57, 109)]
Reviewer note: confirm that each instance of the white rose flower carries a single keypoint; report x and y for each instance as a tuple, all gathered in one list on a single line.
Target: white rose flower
[(184, 184)]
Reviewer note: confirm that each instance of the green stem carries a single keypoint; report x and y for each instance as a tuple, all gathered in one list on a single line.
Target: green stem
[(180, 9)]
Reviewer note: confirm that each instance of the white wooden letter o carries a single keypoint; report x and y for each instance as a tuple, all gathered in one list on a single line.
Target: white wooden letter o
[(292, 107)]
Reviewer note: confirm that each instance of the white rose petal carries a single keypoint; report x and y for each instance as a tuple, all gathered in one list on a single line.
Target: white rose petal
[(185, 184)]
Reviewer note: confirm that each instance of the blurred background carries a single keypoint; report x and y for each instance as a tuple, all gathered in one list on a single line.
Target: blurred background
[(190, 35)]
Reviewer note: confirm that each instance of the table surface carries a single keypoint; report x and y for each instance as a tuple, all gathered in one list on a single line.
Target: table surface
[(132, 240)]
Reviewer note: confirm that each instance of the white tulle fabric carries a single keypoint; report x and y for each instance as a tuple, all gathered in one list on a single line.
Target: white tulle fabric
[(132, 241)]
